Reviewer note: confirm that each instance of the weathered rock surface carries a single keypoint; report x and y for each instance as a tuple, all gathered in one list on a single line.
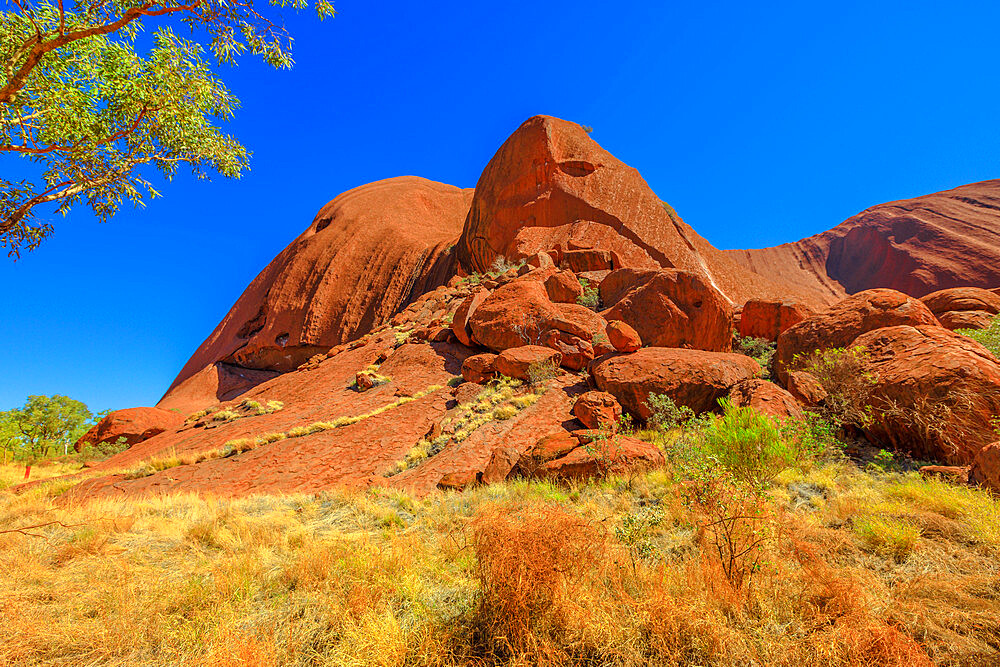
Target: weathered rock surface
[(527, 362), (551, 186), (367, 254), (669, 308), (613, 455), (966, 319), (133, 424), (695, 378), (935, 391), (985, 469), (765, 397), (623, 337), (563, 287), (768, 318), (963, 307), (479, 368), (915, 246), (597, 410), (840, 324), (518, 313)]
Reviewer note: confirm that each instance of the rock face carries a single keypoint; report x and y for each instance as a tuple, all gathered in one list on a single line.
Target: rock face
[(936, 391), (985, 469), (840, 324), (768, 318), (694, 378), (133, 424), (963, 307), (367, 254), (915, 246), (669, 308), (551, 186), (765, 397)]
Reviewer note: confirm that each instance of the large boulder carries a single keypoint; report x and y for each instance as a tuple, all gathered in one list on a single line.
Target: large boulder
[(518, 313), (366, 255), (669, 308), (527, 362), (985, 469), (962, 298), (768, 318), (935, 391), (460, 321), (133, 424), (612, 456), (597, 410), (765, 397), (963, 307), (840, 324), (563, 287), (695, 378), (623, 337)]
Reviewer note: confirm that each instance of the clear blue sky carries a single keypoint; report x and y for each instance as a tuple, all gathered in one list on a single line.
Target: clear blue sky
[(759, 122)]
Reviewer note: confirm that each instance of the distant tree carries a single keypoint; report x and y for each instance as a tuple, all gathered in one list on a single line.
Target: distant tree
[(79, 101), (50, 422), (10, 435)]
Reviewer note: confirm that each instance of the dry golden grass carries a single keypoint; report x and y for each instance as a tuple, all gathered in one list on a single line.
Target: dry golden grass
[(621, 572)]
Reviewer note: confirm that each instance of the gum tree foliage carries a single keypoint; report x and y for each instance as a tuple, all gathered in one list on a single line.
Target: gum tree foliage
[(96, 104), (45, 423)]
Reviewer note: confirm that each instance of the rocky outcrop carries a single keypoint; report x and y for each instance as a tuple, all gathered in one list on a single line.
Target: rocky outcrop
[(935, 391), (550, 186), (527, 362), (695, 378), (915, 246), (366, 255), (840, 324), (669, 308), (765, 397), (133, 424), (963, 307), (769, 318)]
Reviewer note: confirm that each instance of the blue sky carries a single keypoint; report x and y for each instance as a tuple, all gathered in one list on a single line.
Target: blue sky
[(759, 122)]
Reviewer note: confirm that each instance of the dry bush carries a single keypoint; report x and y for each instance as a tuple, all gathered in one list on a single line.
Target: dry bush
[(844, 376), (533, 561)]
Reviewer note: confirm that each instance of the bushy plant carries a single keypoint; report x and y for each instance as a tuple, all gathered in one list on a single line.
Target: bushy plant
[(542, 371), (848, 383), (760, 350), (749, 444), (666, 414), (988, 338), (591, 297)]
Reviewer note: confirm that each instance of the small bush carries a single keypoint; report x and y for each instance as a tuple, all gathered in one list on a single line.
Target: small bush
[(666, 414), (225, 416), (988, 338), (843, 373), (759, 349), (591, 297), (542, 372), (750, 445), (504, 412)]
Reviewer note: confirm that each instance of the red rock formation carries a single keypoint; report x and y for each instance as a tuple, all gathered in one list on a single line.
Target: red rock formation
[(623, 337), (479, 368), (563, 287), (966, 319), (367, 254), (985, 469), (840, 324), (526, 362), (551, 186), (935, 391), (963, 307), (133, 424), (613, 455), (694, 378), (915, 246), (669, 308), (767, 319), (765, 397), (597, 410)]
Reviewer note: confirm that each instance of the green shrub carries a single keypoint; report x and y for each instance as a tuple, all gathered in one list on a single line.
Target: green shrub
[(666, 414), (591, 297), (750, 445), (844, 376), (760, 350), (988, 338)]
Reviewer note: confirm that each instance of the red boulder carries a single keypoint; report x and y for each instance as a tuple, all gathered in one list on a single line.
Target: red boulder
[(767, 319), (765, 397), (479, 368), (623, 337), (527, 362), (563, 287), (695, 378), (985, 469), (133, 424), (669, 308), (597, 410), (840, 324)]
